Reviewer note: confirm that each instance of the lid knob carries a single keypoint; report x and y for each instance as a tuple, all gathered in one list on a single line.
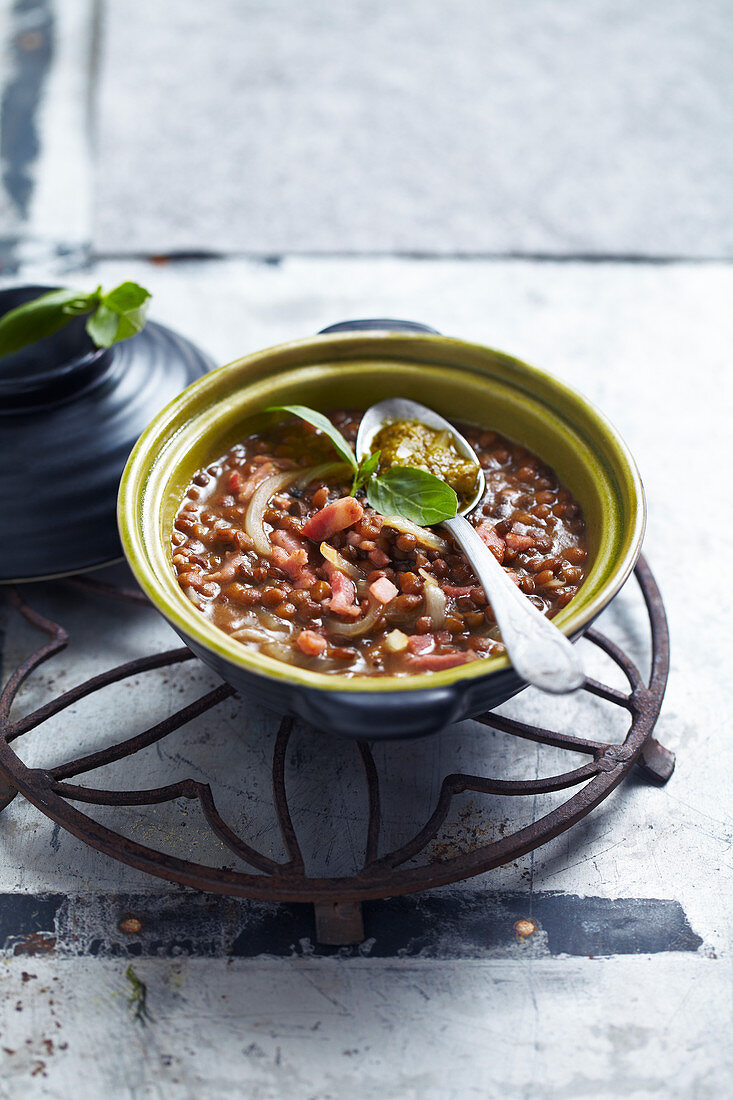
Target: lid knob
[(54, 368)]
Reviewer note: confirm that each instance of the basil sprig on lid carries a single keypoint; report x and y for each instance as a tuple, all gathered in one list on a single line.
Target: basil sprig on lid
[(112, 316), (413, 494)]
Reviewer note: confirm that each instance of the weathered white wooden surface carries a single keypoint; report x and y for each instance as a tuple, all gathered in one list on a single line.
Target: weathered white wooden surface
[(440, 127), (409, 1030), (650, 345), (444, 1000)]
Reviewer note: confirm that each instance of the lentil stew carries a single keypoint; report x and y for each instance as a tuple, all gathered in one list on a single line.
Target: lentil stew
[(272, 549)]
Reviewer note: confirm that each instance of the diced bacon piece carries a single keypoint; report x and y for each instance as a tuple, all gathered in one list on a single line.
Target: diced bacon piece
[(519, 542), (290, 555), (456, 591), (513, 576), (288, 541), (336, 516), (435, 662), (421, 643), (228, 570), (254, 480), (343, 595), (289, 563), (294, 566), (234, 481), (383, 590), (379, 557), (496, 545), (310, 643)]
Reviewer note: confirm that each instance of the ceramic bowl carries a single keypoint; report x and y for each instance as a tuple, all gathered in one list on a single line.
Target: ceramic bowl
[(69, 416), (462, 381)]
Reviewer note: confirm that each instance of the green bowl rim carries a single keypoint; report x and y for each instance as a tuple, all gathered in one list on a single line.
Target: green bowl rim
[(186, 619)]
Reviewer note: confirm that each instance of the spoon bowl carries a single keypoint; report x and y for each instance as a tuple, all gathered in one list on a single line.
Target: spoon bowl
[(540, 653), (399, 408)]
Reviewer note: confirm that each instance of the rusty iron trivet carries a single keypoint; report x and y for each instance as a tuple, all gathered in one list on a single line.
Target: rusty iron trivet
[(337, 900)]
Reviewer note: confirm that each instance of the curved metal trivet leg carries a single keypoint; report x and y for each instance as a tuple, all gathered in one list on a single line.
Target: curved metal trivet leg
[(383, 874), (655, 760)]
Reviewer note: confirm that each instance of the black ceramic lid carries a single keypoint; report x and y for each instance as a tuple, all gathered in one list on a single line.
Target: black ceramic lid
[(69, 417)]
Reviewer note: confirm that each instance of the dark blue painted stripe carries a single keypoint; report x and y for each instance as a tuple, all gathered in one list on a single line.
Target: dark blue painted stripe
[(468, 925), (30, 55)]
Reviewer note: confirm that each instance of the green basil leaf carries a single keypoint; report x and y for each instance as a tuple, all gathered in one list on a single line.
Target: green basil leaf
[(120, 315), (414, 494), (366, 468), (117, 315), (126, 297), (41, 317), (83, 303), (103, 326), (318, 420)]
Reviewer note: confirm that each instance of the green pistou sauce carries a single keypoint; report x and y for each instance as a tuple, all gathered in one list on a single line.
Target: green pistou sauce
[(411, 443)]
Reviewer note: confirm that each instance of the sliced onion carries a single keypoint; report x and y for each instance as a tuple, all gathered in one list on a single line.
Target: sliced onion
[(262, 626), (361, 626), (435, 598), (254, 519), (339, 562), (404, 620), (422, 535), (194, 596), (277, 650), (250, 634), (280, 626)]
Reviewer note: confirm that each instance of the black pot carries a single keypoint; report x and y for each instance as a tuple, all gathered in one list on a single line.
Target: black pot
[(69, 416)]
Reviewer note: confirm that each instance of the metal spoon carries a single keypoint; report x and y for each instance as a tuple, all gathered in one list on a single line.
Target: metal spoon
[(540, 653)]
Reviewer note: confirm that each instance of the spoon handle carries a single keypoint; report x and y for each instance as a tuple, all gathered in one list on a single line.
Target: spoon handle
[(540, 653)]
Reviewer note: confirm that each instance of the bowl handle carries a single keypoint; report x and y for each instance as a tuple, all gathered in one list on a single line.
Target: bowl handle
[(382, 324)]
